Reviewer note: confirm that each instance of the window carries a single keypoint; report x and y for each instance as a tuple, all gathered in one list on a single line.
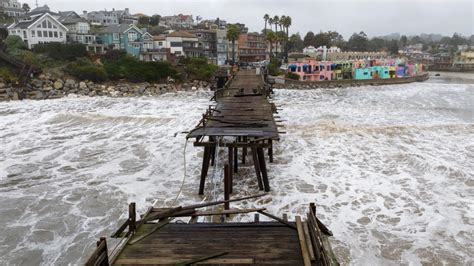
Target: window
[(55, 34), (44, 24), (40, 33), (50, 34), (116, 36), (160, 43), (45, 34), (54, 26), (132, 36), (176, 44), (60, 34), (24, 34), (33, 33), (50, 25), (38, 26)]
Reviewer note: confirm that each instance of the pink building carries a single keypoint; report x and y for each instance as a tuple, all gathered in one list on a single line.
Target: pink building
[(310, 69)]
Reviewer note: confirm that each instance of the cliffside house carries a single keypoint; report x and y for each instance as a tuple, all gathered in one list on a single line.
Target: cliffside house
[(78, 28), (177, 21), (39, 26), (125, 37), (11, 8), (113, 17)]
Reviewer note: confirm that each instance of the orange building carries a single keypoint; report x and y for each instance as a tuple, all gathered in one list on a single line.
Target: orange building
[(252, 47)]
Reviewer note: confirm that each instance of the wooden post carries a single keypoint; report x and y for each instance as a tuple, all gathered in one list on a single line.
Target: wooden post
[(236, 160), (270, 150), (244, 150), (132, 217), (205, 168), (257, 168), (231, 162), (263, 169), (227, 173), (256, 218)]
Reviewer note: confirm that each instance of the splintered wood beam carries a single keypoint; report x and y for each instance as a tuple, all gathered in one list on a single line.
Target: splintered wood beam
[(233, 144), (302, 239)]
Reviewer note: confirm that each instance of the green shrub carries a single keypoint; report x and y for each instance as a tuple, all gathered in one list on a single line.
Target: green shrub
[(199, 68), (7, 75), (274, 67), (84, 69), (128, 67), (14, 43), (292, 76), (61, 51)]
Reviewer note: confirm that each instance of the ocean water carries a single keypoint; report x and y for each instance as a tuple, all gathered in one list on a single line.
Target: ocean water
[(390, 168)]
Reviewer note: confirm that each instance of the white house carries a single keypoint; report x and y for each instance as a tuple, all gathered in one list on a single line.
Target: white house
[(38, 28), (12, 8)]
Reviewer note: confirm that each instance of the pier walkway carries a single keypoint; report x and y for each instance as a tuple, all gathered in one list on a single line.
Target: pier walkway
[(242, 120), (154, 240)]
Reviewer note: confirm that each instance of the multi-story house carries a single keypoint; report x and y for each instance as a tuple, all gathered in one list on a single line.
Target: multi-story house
[(78, 28), (252, 47), (177, 21), (180, 43), (464, 61), (208, 43), (113, 17), (222, 43), (125, 37), (12, 8), (39, 26)]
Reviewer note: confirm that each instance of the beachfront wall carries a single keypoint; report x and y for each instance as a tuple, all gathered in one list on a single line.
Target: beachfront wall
[(309, 69)]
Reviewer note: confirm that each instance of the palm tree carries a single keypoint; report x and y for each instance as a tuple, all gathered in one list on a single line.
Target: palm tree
[(270, 22), (276, 21), (282, 21), (286, 24), (266, 17), (271, 37), (233, 32)]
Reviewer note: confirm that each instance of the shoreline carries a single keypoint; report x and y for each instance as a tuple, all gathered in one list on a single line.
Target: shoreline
[(296, 84), (49, 87)]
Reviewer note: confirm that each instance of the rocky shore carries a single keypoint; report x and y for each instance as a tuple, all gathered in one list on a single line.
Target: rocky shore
[(47, 86)]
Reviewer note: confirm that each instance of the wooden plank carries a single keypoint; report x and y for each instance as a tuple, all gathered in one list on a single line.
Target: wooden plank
[(308, 241), (155, 228), (301, 237), (224, 212), (277, 219), (203, 258)]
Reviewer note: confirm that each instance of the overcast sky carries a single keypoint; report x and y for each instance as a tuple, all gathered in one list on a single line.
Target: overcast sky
[(375, 17)]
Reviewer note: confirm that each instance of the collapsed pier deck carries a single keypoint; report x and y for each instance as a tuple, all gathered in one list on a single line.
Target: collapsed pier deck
[(157, 240), (242, 120)]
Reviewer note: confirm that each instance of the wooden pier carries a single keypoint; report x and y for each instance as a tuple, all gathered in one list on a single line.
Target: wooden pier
[(243, 122), (156, 240)]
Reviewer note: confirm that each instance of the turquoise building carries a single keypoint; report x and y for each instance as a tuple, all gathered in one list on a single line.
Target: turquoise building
[(381, 72), (125, 37), (363, 73)]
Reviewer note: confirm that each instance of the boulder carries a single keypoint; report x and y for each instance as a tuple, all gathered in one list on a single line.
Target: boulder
[(2, 85), (92, 93), (47, 88), (39, 95), (58, 84), (82, 85), (16, 97), (70, 83)]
